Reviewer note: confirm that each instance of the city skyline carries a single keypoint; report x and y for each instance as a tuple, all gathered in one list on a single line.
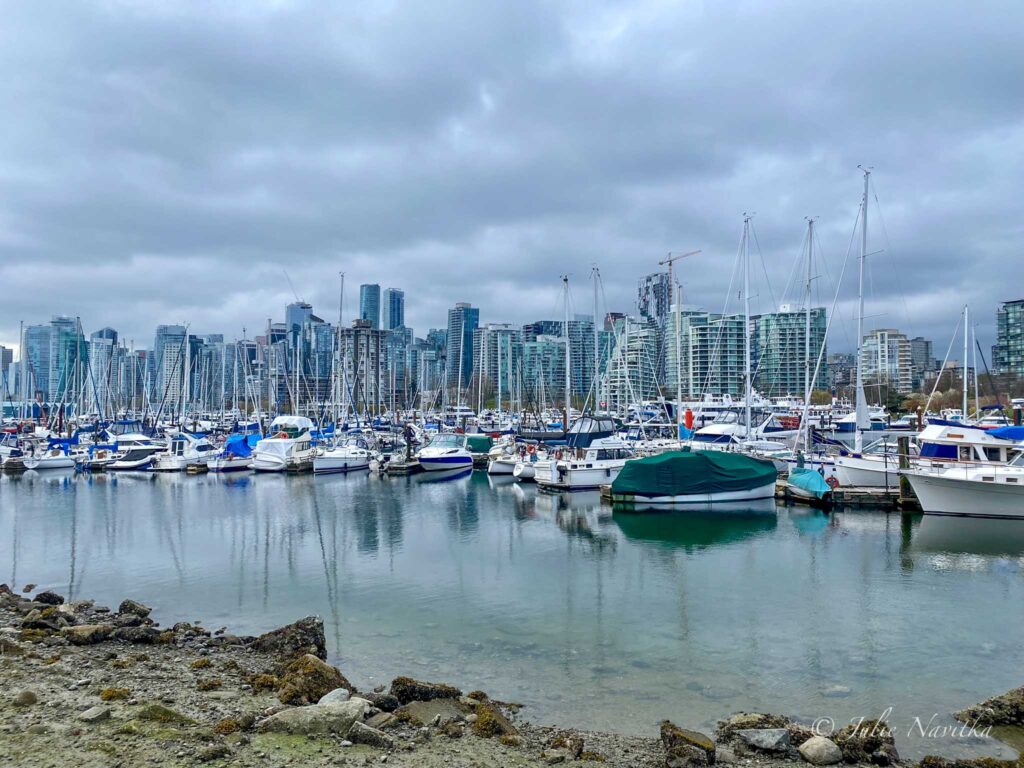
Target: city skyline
[(483, 169)]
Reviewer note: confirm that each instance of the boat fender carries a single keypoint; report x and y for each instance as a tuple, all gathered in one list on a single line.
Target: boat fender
[(832, 482), (531, 449), (558, 455)]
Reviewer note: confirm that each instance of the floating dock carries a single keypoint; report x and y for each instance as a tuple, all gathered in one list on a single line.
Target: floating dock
[(403, 467)]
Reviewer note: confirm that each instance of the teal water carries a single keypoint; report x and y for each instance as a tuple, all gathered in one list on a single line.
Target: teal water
[(587, 617)]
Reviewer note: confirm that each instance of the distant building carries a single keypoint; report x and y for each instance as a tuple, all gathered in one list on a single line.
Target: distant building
[(69, 356), (369, 304), (842, 369), (169, 363), (498, 350), (1008, 352), (654, 297), (364, 356), (631, 372), (393, 309), (780, 351), (544, 371), (463, 319), (711, 350), (886, 360), (922, 360)]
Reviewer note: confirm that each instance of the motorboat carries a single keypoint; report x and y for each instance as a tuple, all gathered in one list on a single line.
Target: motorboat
[(579, 469), (877, 416), (350, 455), (51, 458), (972, 490), (133, 459), (445, 451), (693, 477), (809, 485), (287, 446), (184, 450), (235, 456)]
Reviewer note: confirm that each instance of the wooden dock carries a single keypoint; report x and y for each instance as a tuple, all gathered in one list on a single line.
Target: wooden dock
[(403, 467), (302, 468)]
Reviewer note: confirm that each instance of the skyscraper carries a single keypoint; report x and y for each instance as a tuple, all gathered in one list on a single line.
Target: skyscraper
[(1008, 352), (463, 319), (168, 362), (393, 309), (779, 351), (885, 359), (369, 304)]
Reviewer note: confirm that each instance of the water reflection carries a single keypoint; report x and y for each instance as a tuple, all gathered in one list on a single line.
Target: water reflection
[(552, 599), (701, 526)]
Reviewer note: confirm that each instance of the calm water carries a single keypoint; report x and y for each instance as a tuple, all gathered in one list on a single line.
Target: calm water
[(588, 618)]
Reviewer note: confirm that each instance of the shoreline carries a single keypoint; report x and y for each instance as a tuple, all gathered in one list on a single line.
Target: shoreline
[(113, 687)]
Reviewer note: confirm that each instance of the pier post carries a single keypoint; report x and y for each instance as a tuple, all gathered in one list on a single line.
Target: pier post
[(907, 500)]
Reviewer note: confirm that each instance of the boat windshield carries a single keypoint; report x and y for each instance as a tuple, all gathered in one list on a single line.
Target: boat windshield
[(447, 440), (1018, 460)]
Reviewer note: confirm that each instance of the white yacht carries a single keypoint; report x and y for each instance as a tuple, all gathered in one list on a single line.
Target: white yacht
[(184, 449), (288, 445), (578, 469), (445, 451), (350, 455), (973, 490)]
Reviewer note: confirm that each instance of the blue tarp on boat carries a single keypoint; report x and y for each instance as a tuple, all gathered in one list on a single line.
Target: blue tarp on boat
[(238, 445), (1008, 433), (809, 481)]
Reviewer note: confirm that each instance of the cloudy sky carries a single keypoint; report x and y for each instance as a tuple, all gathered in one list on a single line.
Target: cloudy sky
[(170, 162)]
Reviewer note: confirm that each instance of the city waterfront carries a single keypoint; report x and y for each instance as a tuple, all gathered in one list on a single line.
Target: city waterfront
[(587, 617)]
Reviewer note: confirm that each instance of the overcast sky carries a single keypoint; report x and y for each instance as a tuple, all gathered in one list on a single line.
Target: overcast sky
[(169, 162)]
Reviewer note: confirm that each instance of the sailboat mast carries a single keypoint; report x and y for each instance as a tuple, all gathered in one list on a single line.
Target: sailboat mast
[(746, 325), (861, 405), (967, 336), (568, 380), (807, 334), (497, 338), (597, 339)]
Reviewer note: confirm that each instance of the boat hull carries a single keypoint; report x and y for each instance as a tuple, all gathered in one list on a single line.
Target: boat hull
[(967, 498), (501, 466), (562, 478), (441, 463), (859, 472), (230, 465), (327, 465), (524, 471), (766, 491)]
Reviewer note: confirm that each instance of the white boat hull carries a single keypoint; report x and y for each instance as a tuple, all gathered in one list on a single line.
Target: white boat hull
[(766, 491), (525, 471), (238, 464), (502, 466), (49, 462), (565, 477), (325, 465), (968, 497), (442, 463), (860, 472)]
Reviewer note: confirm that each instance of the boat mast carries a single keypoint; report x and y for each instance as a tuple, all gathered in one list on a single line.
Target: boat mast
[(596, 273), (568, 380), (498, 340), (977, 391), (967, 336), (746, 324), (861, 405), (807, 336)]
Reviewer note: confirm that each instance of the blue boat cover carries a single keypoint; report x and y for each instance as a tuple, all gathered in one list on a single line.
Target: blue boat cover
[(1008, 433), (809, 480), (238, 445)]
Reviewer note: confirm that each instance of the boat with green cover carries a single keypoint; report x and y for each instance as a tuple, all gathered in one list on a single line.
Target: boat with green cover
[(694, 477)]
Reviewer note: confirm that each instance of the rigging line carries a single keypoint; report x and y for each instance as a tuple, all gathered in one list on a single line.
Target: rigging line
[(764, 266), (885, 236)]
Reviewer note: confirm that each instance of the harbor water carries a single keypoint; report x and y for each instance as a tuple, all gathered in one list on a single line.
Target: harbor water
[(587, 617)]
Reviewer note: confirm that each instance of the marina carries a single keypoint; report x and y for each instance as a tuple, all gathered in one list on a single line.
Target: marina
[(476, 577)]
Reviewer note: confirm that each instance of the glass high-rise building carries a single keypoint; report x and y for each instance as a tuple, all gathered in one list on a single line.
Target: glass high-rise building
[(463, 319), (369, 304), (392, 309), (1008, 352), (779, 351)]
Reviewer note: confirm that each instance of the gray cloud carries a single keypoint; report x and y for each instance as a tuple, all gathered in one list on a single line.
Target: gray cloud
[(166, 164)]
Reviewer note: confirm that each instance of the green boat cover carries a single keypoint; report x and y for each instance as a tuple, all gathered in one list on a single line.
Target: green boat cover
[(479, 443), (681, 473)]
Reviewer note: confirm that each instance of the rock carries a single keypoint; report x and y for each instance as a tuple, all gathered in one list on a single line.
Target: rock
[(491, 722), (338, 695), (141, 635), (438, 711), (885, 755), (818, 750), (381, 720), (862, 740), (86, 634), (49, 598), (406, 689), (25, 699), (382, 701), (135, 608), (307, 679), (686, 756), (747, 720), (44, 618), (315, 719), (554, 756), (304, 636), (371, 737), (570, 743), (95, 714), (213, 752), (798, 734), (158, 713), (765, 739), (1007, 709), (681, 742)]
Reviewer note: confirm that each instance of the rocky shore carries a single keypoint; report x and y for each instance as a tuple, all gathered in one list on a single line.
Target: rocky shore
[(88, 685)]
